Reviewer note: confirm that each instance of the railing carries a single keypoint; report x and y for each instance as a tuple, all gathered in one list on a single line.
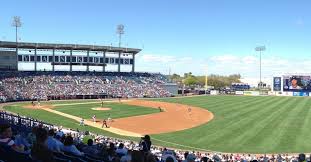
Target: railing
[(21, 120)]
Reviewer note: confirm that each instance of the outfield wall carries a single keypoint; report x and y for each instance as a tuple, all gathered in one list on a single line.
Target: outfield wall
[(271, 93)]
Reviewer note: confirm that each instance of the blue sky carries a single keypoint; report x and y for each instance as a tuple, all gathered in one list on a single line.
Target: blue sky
[(177, 34)]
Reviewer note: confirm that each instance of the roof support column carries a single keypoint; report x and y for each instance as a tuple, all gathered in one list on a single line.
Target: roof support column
[(36, 59), (87, 63), (133, 65), (104, 61), (53, 60), (119, 62), (71, 60)]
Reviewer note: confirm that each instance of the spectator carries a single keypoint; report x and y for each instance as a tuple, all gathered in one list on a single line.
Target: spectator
[(137, 156), (40, 151), (52, 143), (169, 159), (151, 158), (127, 157), (58, 142), (69, 147), (90, 149), (6, 138), (121, 151), (191, 158), (301, 157), (145, 143), (204, 159), (31, 138), (185, 156)]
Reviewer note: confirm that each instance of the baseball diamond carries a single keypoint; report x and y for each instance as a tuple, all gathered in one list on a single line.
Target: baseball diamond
[(238, 125)]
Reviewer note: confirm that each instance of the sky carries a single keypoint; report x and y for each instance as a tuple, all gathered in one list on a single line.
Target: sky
[(198, 36)]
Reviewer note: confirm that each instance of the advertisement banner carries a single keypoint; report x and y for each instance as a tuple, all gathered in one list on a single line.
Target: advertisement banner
[(251, 93), (239, 92), (277, 84), (287, 94), (272, 93), (214, 92), (300, 93)]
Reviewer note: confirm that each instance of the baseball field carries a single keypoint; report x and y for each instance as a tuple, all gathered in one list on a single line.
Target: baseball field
[(232, 124)]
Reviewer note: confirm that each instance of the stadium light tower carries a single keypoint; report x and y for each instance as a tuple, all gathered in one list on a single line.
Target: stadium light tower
[(120, 31), (17, 24), (260, 49)]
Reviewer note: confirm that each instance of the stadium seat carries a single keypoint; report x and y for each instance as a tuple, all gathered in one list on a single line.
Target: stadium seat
[(74, 158), (7, 154), (95, 158), (57, 159)]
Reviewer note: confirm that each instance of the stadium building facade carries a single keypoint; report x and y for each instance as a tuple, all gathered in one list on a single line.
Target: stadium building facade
[(24, 56)]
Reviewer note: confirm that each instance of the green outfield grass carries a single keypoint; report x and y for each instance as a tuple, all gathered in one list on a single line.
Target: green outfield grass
[(241, 123), (118, 110), (249, 124), (59, 120)]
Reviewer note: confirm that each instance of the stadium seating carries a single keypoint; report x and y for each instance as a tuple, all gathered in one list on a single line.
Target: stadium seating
[(60, 85)]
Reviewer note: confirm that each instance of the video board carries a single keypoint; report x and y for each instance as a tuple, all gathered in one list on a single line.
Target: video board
[(297, 83)]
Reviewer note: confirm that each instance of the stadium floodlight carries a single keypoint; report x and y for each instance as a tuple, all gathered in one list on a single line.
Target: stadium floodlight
[(17, 24), (260, 49), (120, 31)]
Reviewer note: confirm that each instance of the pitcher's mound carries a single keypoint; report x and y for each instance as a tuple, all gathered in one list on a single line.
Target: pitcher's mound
[(101, 108)]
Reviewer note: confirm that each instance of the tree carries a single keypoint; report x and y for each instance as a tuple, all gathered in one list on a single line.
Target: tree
[(176, 78), (190, 80), (217, 81)]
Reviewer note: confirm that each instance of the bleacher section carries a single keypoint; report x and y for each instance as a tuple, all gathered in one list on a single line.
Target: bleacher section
[(61, 85)]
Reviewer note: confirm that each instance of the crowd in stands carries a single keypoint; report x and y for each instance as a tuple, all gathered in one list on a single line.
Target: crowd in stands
[(25, 139), (41, 85)]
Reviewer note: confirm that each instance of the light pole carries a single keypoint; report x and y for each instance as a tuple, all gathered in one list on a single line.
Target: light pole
[(120, 31), (260, 49), (17, 24), (206, 81)]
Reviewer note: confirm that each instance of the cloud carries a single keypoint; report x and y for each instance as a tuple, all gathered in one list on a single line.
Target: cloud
[(153, 58), (225, 59), (247, 65), (249, 60)]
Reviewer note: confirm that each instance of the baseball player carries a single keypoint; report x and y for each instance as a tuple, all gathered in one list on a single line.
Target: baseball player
[(94, 118), (189, 110), (160, 109), (109, 118), (105, 124), (82, 122)]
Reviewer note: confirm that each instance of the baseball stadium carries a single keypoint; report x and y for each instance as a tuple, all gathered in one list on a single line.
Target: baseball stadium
[(72, 102)]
